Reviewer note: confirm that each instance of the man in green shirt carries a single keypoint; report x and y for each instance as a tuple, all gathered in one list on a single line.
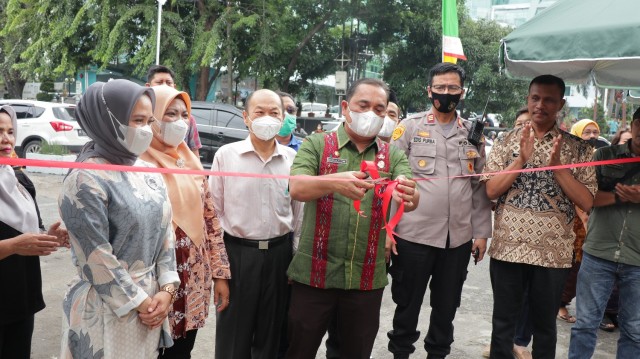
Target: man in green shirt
[(340, 263), (611, 252)]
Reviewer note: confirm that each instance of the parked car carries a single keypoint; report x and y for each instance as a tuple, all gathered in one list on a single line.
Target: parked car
[(318, 109), (40, 122), (218, 124)]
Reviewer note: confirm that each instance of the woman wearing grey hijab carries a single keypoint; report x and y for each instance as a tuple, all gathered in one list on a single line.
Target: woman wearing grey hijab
[(20, 245), (120, 232)]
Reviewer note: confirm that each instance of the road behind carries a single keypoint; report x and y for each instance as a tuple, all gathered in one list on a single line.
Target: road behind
[(472, 323)]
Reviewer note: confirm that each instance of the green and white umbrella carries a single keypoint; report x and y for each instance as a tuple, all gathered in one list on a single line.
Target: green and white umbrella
[(578, 40)]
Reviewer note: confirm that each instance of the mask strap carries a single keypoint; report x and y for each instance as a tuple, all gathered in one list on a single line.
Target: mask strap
[(112, 117)]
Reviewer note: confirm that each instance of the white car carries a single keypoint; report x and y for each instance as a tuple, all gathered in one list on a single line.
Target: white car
[(318, 109), (40, 122)]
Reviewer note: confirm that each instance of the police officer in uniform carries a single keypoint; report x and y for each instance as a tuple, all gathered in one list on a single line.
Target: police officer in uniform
[(436, 241)]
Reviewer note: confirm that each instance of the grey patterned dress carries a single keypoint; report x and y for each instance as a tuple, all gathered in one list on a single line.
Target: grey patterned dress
[(122, 244)]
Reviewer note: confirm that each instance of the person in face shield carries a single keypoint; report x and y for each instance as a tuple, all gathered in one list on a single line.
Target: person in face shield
[(203, 265), (122, 240), (257, 216)]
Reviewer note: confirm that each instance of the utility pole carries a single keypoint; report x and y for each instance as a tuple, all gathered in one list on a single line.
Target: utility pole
[(230, 54), (160, 4)]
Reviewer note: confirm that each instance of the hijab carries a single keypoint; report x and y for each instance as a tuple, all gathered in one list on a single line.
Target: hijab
[(118, 97), (18, 208), (184, 190), (579, 126)]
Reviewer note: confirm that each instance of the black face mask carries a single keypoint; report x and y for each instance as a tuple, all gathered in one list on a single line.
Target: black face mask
[(445, 102)]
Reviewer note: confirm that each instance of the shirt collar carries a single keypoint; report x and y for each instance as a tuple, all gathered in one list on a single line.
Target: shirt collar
[(343, 138), (430, 119), (553, 132), (246, 146)]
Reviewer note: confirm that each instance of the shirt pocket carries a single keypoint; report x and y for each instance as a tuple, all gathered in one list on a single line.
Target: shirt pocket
[(282, 200), (423, 159), (468, 155), (611, 175)]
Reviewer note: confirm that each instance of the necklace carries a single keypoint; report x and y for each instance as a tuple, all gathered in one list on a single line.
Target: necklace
[(180, 163)]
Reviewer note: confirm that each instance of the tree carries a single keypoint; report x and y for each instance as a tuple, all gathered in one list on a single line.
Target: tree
[(481, 41)]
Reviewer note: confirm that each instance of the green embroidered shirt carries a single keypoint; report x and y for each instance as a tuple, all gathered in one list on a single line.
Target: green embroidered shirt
[(347, 242)]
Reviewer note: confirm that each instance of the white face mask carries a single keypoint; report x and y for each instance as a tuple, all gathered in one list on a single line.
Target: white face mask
[(266, 127), (387, 128), (365, 124), (136, 139), (172, 133)]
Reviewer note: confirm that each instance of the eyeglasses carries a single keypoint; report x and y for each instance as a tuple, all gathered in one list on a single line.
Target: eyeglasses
[(291, 110), (452, 88)]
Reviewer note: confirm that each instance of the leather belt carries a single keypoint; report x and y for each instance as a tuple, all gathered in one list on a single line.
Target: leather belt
[(263, 244)]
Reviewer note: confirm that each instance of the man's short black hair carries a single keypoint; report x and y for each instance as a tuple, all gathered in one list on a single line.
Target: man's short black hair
[(393, 97), (636, 115), (159, 69), (521, 111), (446, 67), (549, 80), (284, 94), (367, 81)]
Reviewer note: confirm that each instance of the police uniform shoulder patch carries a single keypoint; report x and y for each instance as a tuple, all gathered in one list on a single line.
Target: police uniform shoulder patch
[(398, 132)]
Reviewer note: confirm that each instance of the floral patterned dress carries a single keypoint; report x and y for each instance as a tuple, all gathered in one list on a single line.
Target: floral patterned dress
[(122, 245), (197, 267)]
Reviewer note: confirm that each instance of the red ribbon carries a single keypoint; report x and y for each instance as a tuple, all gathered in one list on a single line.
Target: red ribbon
[(370, 168)]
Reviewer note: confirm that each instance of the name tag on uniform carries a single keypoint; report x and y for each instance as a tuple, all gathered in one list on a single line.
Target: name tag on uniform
[(339, 161), (418, 139), (464, 143)]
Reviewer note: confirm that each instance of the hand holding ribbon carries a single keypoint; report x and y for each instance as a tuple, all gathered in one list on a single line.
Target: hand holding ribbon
[(402, 190)]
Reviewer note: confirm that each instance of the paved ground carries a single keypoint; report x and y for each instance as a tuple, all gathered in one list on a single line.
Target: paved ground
[(472, 324)]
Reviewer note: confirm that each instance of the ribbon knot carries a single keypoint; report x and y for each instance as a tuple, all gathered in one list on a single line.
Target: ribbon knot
[(383, 188)]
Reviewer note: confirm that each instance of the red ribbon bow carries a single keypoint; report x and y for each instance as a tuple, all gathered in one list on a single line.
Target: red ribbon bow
[(370, 168)]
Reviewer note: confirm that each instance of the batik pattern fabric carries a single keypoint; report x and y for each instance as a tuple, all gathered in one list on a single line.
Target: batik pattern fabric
[(533, 221), (122, 244), (197, 267)]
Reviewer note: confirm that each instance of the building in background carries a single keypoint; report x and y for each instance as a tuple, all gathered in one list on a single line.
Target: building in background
[(506, 12)]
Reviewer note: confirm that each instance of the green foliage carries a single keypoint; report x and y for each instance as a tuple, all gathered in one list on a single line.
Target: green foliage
[(285, 44), (46, 89), (53, 149), (43, 96)]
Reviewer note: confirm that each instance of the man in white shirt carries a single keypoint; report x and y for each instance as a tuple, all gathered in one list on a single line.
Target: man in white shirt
[(257, 215)]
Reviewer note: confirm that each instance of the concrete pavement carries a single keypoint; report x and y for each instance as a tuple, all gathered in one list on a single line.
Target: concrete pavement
[(472, 323)]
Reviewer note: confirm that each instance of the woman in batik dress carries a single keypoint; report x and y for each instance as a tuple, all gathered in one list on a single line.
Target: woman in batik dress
[(120, 231), (200, 252)]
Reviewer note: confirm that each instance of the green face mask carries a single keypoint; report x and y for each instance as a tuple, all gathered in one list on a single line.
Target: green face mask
[(288, 125)]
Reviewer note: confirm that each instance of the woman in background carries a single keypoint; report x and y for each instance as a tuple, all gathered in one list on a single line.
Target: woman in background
[(21, 242), (200, 253), (120, 230)]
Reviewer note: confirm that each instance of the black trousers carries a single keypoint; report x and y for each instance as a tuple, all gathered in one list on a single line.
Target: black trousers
[(15, 339), (509, 282), (181, 348), (415, 266), (312, 309), (251, 326)]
